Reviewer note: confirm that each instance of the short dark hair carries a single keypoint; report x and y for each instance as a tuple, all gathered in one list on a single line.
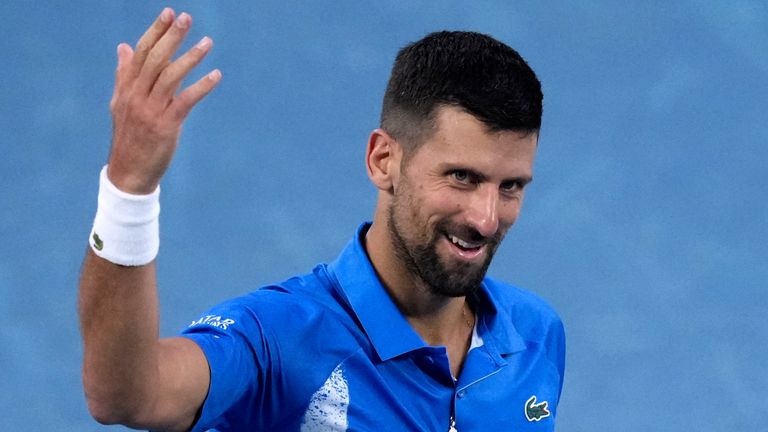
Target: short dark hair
[(469, 70)]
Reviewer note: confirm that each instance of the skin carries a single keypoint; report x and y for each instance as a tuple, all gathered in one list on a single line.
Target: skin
[(130, 376), (463, 177)]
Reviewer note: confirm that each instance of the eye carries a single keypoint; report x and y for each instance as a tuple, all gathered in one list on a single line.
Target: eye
[(513, 186), (460, 176)]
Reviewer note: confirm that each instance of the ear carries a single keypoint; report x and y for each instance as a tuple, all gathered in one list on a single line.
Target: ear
[(382, 158)]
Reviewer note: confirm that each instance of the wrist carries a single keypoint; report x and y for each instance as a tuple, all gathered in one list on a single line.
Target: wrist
[(126, 227), (128, 183)]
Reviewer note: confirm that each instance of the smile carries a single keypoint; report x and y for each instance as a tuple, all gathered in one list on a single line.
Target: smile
[(466, 249), (463, 243)]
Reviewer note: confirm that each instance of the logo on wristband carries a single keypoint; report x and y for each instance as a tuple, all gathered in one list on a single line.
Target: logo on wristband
[(97, 243)]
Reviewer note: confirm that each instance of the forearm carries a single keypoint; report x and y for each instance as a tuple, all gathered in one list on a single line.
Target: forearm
[(119, 322)]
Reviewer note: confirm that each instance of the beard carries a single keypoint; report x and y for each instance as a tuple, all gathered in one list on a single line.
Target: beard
[(453, 279)]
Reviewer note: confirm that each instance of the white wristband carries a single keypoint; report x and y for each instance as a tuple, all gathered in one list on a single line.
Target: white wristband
[(126, 228)]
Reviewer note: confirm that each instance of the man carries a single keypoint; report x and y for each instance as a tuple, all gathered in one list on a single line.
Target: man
[(402, 332)]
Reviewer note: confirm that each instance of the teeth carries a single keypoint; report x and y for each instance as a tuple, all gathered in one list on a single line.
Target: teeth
[(462, 243)]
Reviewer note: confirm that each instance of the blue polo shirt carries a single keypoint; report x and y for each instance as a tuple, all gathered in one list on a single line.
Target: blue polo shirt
[(330, 351)]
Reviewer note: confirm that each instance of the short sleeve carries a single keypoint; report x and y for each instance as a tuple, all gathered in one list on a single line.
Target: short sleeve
[(230, 335)]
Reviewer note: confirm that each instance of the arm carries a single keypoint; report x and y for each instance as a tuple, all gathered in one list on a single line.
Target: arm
[(130, 375)]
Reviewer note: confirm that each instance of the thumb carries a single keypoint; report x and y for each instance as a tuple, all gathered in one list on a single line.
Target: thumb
[(124, 56)]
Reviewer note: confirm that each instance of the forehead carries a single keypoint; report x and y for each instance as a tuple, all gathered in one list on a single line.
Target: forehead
[(461, 140)]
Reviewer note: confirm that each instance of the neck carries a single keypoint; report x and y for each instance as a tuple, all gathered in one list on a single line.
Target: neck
[(438, 319)]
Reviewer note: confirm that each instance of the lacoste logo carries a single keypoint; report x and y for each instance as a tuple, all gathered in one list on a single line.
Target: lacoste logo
[(535, 411), (97, 243)]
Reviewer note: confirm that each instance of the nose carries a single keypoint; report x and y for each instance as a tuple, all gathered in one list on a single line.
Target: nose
[(483, 211)]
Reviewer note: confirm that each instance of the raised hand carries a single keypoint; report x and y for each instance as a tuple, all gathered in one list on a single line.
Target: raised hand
[(147, 107), (130, 376)]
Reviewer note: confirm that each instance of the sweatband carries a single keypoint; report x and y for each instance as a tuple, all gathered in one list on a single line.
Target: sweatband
[(126, 228)]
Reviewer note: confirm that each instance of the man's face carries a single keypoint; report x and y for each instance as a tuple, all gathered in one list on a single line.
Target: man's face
[(455, 199)]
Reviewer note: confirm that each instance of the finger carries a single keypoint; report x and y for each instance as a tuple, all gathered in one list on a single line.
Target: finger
[(124, 55), (187, 99), (150, 38), (161, 53), (170, 78)]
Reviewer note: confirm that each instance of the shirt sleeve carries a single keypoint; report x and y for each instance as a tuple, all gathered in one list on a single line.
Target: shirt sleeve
[(231, 337)]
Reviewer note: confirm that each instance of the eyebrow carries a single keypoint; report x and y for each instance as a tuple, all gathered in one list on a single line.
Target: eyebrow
[(523, 180), (480, 177)]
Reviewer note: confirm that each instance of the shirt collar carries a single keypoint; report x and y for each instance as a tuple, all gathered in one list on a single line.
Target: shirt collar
[(496, 326), (389, 332)]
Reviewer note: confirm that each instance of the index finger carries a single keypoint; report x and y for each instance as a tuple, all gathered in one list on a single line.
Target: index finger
[(150, 38)]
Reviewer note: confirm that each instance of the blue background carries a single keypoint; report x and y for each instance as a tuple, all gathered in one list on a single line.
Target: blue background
[(645, 227)]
